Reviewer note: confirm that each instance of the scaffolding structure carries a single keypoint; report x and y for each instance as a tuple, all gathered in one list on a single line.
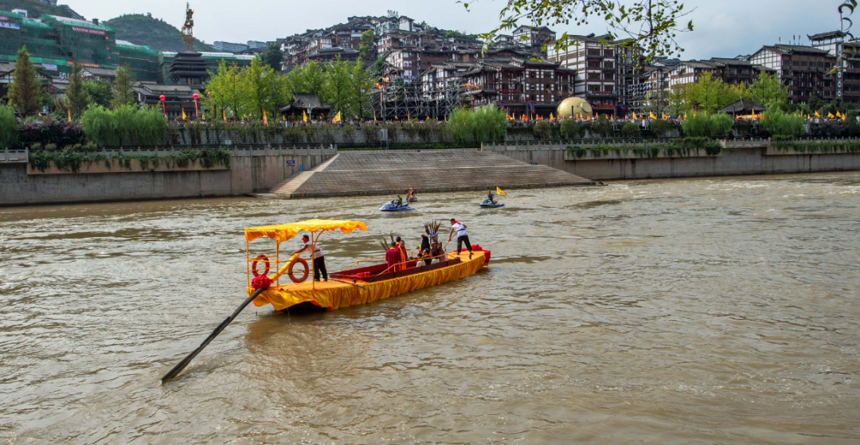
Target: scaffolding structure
[(401, 101)]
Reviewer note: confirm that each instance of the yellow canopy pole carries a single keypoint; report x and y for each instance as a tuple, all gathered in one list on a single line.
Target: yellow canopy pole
[(277, 262), (247, 264)]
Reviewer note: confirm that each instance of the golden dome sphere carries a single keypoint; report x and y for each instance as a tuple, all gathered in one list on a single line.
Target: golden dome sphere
[(574, 107)]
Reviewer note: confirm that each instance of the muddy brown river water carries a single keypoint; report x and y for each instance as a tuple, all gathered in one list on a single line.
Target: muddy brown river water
[(669, 312)]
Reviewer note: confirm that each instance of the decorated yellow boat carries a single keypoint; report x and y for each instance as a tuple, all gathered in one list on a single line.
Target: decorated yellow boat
[(346, 288), (349, 287)]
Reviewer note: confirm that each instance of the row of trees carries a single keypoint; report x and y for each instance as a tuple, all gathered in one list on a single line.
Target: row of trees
[(29, 96), (709, 94), (249, 92)]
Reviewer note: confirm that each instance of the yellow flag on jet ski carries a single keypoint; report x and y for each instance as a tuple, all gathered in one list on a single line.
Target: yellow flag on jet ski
[(500, 192)]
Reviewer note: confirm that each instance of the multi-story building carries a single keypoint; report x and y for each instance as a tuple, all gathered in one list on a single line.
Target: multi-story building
[(804, 70), (256, 44), (228, 47), (515, 84), (595, 61), (533, 37), (848, 70), (656, 85)]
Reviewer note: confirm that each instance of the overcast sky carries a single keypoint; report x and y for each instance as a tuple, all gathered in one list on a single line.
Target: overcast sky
[(724, 28)]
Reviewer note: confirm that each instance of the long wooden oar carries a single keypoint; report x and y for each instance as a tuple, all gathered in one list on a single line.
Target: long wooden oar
[(178, 368)]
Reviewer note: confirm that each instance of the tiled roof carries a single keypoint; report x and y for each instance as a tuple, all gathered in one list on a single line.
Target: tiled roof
[(827, 35)]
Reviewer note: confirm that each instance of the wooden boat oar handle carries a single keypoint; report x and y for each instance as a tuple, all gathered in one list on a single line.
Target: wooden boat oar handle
[(179, 367)]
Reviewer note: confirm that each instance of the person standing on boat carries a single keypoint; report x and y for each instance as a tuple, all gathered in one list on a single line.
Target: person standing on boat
[(403, 255), (462, 236), (318, 256), (392, 258), (490, 197)]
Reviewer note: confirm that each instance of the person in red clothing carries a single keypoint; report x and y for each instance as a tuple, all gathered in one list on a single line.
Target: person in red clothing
[(392, 258)]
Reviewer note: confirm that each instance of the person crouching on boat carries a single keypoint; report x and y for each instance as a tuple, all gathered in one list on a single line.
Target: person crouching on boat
[(425, 248), (318, 255), (424, 255), (462, 236)]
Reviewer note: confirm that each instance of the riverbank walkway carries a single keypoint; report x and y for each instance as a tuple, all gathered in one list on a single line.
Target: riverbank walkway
[(389, 172)]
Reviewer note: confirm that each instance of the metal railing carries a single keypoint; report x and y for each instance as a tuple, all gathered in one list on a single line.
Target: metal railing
[(9, 155), (14, 155)]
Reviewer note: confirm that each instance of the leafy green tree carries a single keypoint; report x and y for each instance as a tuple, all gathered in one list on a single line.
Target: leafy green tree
[(265, 89), (361, 84), (77, 98), (24, 95), (273, 58), (338, 86), (650, 24), (99, 92), (225, 91), (366, 45), (768, 91), (309, 78), (707, 94), (124, 95)]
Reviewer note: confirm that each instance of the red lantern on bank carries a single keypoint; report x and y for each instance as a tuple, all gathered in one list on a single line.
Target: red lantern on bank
[(196, 111), (163, 109)]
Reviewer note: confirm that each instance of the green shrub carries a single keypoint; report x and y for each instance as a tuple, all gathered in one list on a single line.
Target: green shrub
[(371, 133), (570, 129), (695, 126), (779, 123), (542, 130), (126, 125), (8, 126), (601, 127), (348, 133), (720, 125), (630, 130), (486, 124), (659, 128)]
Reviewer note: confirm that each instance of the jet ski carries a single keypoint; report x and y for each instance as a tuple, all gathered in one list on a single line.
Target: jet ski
[(412, 199), (487, 202), (392, 207)]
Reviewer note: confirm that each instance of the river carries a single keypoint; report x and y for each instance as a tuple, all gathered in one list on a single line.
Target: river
[(719, 310)]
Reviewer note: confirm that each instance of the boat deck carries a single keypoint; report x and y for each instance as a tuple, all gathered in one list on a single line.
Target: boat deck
[(334, 294)]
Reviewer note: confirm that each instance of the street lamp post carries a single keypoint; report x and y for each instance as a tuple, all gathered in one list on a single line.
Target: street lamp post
[(196, 111)]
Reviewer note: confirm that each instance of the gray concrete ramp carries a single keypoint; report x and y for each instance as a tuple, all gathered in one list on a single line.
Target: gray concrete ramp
[(386, 172)]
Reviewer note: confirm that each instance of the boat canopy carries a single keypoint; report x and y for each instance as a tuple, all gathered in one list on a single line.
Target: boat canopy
[(284, 232)]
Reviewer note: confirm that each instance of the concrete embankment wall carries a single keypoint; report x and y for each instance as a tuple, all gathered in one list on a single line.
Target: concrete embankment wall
[(736, 158), (250, 171)]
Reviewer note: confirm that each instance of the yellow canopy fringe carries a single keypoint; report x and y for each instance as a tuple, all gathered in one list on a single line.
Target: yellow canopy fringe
[(284, 232)]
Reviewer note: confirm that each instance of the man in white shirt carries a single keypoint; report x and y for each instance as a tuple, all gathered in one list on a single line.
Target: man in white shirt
[(462, 236), (318, 255)]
